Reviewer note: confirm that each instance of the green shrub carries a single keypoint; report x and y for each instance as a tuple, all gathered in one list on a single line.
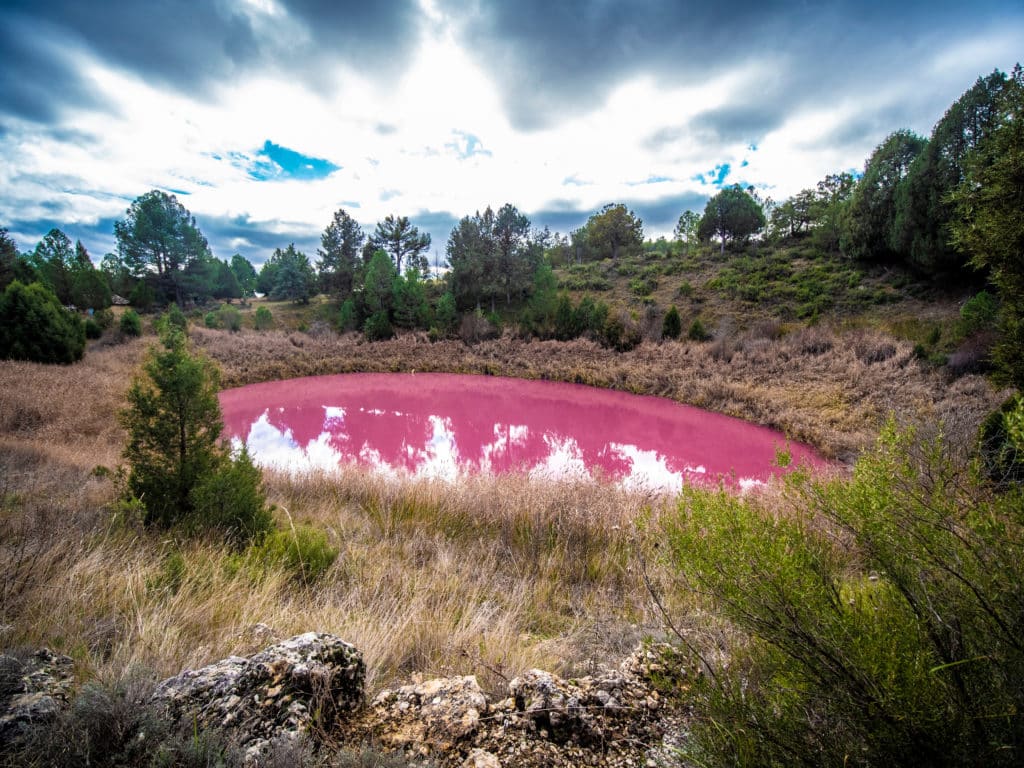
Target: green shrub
[(179, 471), (172, 319), (142, 296), (131, 323), (697, 331), (347, 316), (229, 318), (446, 318), (672, 325), (104, 318), (231, 500), (302, 550), (210, 320), (686, 289), (1001, 443), (875, 622), (978, 314), (34, 326), (378, 327), (263, 320), (92, 329)]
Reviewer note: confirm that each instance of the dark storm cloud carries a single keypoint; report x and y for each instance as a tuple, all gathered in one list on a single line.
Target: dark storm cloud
[(556, 59), (745, 122), (255, 240), (35, 82), (187, 46)]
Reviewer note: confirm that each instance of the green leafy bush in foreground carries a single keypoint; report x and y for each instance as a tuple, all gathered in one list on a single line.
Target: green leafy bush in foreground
[(879, 621)]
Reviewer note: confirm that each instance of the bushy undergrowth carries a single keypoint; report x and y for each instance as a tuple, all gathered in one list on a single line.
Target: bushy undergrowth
[(877, 621), (34, 326)]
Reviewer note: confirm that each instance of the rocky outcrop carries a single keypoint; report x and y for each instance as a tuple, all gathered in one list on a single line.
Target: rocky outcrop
[(276, 695), (313, 684), (617, 717), (33, 689)]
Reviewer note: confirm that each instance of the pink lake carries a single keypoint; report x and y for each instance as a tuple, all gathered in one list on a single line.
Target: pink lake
[(446, 425)]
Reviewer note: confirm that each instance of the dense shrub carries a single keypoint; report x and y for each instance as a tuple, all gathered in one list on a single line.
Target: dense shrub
[(34, 326), (1002, 443), (672, 325), (878, 623), (131, 323), (210, 320), (697, 331), (180, 473), (301, 550), (92, 329), (229, 318), (378, 327), (263, 320), (231, 500), (978, 314)]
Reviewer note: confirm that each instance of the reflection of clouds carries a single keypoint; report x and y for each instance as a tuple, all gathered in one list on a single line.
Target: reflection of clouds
[(334, 416), (564, 460), (270, 447), (648, 470), (440, 456), (505, 436), (749, 483)]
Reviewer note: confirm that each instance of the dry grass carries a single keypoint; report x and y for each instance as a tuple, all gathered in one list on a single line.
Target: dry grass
[(491, 576)]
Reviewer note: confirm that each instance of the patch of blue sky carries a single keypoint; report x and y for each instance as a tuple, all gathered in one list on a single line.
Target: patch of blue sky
[(716, 176), (467, 145), (274, 162)]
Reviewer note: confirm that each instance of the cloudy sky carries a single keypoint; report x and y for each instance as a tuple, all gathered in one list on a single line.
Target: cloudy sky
[(266, 116)]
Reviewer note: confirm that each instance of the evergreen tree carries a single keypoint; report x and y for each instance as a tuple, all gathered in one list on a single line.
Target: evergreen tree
[(53, 260), (179, 470), (472, 259), (159, 242), (612, 232), (868, 226), (34, 326), (732, 215), (245, 275), (12, 265), (672, 325), (924, 211), (226, 286), (341, 243), (410, 300), (990, 224), (378, 296), (403, 242), (293, 276)]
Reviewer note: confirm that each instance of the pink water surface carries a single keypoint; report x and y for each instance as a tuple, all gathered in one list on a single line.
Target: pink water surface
[(445, 425)]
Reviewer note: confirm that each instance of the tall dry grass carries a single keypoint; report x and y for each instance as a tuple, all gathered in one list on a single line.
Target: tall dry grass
[(490, 576)]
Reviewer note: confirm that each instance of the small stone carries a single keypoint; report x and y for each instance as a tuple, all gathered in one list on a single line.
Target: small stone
[(480, 758)]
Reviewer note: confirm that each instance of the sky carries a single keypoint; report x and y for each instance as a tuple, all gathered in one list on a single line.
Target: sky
[(264, 117)]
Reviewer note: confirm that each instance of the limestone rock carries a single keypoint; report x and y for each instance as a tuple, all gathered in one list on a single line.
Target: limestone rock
[(432, 715), (273, 695), (32, 690)]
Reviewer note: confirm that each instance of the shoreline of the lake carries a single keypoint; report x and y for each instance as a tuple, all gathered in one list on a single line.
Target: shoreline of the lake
[(830, 389)]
